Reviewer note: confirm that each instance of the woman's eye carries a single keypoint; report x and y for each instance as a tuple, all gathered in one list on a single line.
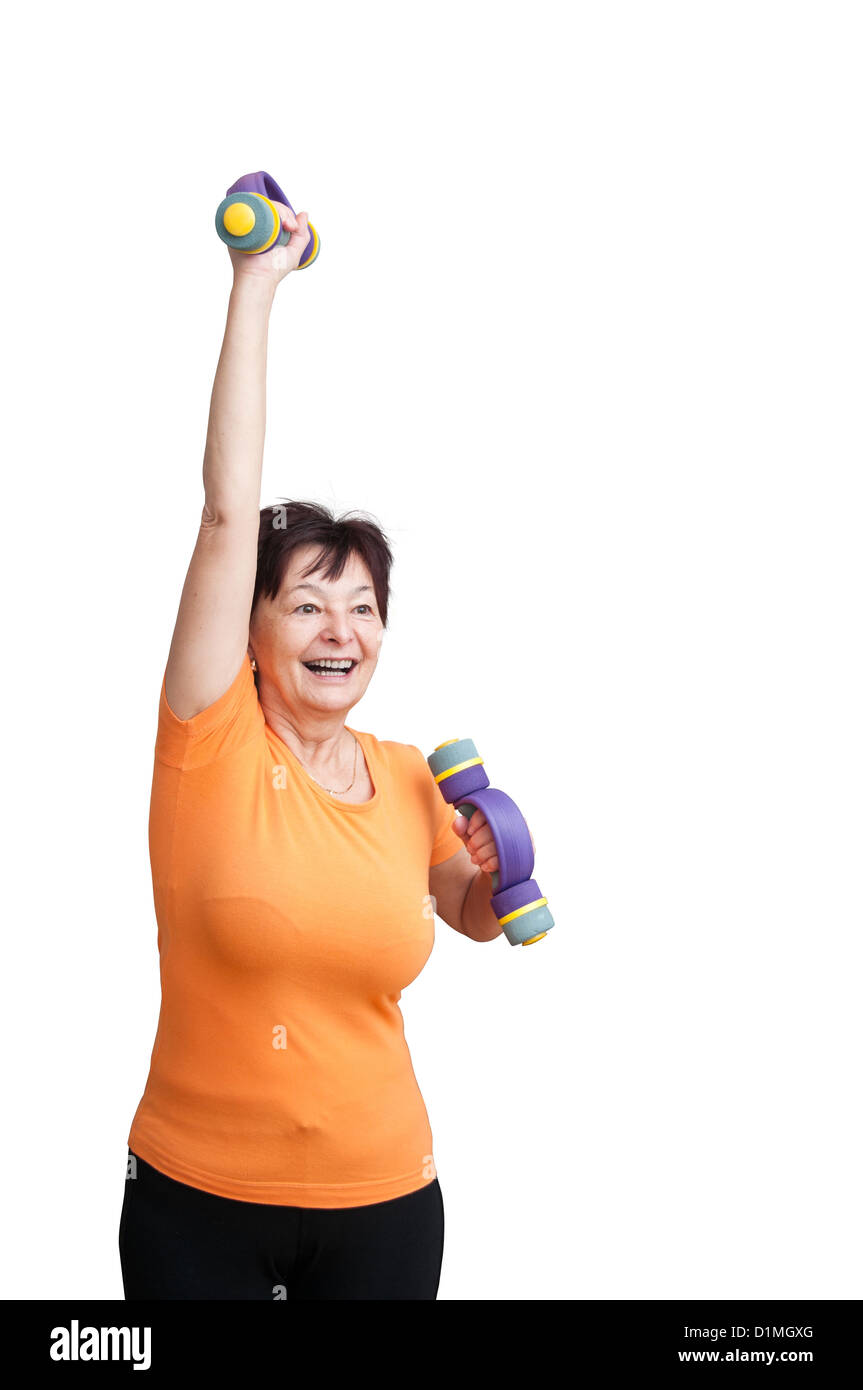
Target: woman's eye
[(314, 605)]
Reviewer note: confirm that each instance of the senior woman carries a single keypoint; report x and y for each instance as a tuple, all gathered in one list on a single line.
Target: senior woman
[(281, 1148)]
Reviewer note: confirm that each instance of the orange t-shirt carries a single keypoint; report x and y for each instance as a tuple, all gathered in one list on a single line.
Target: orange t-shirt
[(289, 922)]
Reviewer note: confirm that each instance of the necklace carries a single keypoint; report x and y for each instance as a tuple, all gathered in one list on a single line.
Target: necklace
[(331, 791)]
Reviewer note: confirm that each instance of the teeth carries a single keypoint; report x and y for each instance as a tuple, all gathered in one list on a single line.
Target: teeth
[(332, 665)]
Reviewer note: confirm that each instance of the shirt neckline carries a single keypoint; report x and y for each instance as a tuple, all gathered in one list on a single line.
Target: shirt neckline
[(319, 791)]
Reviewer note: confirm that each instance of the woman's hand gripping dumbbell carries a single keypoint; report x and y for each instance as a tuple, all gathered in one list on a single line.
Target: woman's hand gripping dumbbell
[(255, 216), (517, 902)]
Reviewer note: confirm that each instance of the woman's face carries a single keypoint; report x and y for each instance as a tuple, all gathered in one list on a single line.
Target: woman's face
[(314, 618)]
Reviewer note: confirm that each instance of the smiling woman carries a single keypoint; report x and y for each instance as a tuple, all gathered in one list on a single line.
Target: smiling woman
[(319, 611), (293, 857)]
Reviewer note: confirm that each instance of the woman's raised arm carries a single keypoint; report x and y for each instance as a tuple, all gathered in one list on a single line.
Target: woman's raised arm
[(211, 633)]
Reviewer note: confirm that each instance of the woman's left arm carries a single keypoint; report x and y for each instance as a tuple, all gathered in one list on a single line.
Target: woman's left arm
[(462, 897), (462, 884)]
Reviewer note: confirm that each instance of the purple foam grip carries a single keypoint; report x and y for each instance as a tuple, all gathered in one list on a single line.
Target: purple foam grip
[(509, 830), (262, 182), (460, 785), (511, 898)]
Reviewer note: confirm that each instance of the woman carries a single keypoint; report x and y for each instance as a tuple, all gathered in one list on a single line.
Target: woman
[(281, 1148)]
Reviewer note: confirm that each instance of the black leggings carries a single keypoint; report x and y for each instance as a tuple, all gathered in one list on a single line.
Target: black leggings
[(178, 1241)]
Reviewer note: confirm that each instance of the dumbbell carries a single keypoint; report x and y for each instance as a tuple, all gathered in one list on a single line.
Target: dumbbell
[(247, 220), (517, 903)]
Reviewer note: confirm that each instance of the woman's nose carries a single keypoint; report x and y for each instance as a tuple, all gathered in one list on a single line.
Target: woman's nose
[(338, 629)]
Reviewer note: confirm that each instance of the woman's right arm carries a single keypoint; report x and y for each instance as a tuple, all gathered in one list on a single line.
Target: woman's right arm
[(211, 634)]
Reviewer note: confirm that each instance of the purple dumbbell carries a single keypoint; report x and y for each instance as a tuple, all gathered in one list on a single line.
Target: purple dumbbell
[(247, 220), (517, 903)]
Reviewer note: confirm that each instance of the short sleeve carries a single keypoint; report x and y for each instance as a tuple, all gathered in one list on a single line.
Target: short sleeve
[(446, 842), (227, 724)]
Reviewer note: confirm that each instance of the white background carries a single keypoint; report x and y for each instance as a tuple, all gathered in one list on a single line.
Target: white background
[(584, 336)]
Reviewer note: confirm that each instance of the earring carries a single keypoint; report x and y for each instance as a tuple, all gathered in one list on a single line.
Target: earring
[(254, 664)]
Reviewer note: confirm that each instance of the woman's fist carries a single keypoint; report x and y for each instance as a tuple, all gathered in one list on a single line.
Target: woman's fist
[(475, 832), (278, 262)]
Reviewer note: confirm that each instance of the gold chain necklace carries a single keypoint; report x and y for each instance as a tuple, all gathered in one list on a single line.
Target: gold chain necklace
[(331, 791)]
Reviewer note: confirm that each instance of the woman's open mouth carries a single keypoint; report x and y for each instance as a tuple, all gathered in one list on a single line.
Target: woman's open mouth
[(335, 670)]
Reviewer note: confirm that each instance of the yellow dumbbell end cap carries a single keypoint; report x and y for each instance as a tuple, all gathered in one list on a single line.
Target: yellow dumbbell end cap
[(316, 246), (238, 219), (531, 939)]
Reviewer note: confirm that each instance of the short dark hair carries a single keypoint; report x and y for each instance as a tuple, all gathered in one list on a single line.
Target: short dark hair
[(287, 525)]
